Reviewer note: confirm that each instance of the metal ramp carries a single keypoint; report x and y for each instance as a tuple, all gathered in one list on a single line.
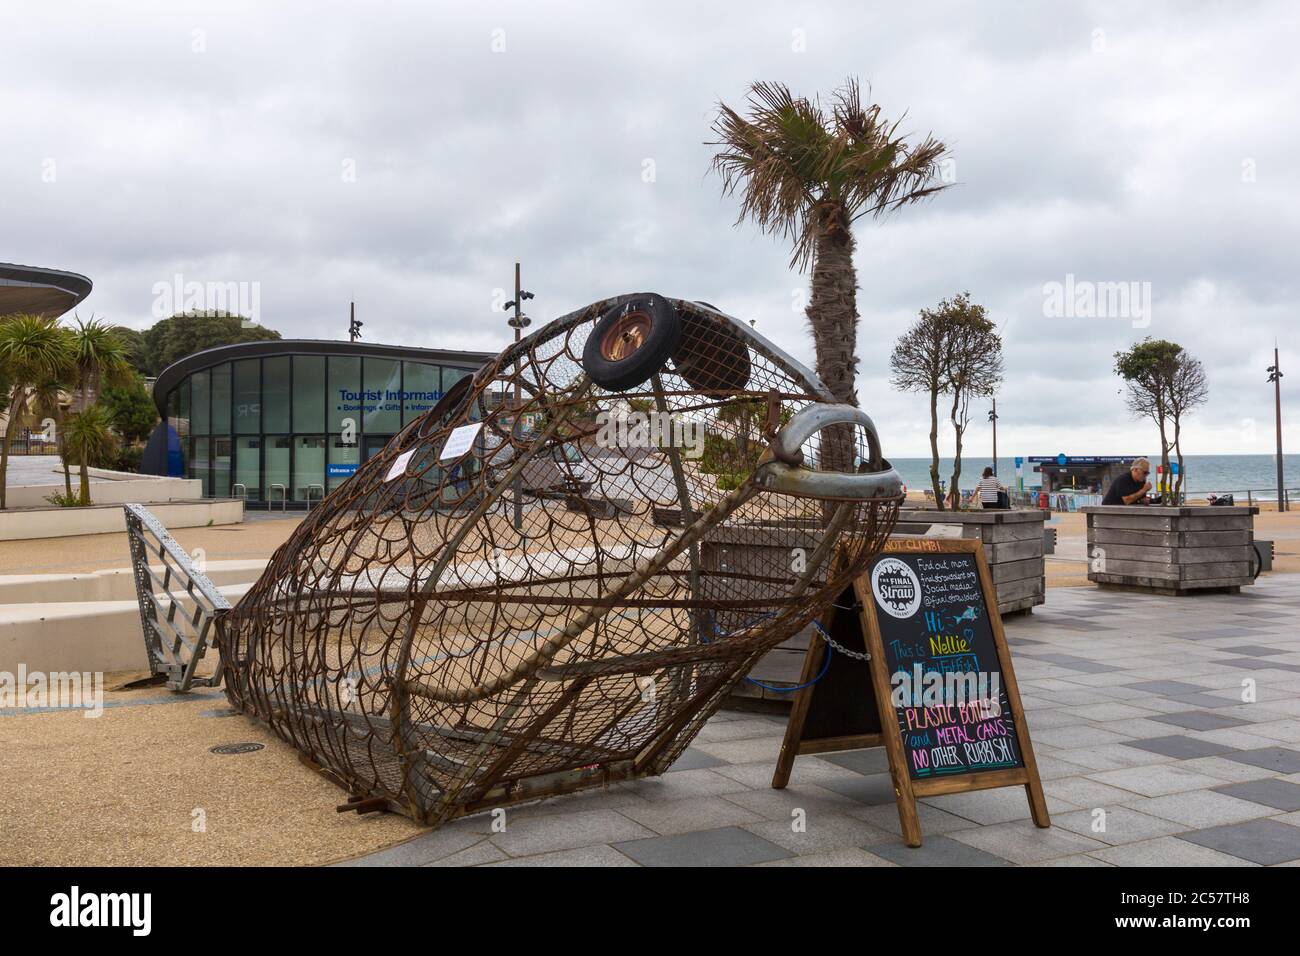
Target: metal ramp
[(179, 607)]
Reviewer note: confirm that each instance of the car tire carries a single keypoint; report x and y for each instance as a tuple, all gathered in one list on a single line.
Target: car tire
[(711, 356), (631, 342)]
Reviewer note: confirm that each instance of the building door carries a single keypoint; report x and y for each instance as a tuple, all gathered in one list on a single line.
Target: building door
[(374, 444)]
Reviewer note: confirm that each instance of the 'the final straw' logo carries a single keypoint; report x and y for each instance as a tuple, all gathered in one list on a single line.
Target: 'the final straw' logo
[(896, 587)]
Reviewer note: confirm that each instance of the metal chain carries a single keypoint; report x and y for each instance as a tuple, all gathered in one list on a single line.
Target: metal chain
[(838, 647)]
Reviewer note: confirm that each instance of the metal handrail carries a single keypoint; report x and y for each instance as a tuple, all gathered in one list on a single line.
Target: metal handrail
[(175, 639), (284, 496)]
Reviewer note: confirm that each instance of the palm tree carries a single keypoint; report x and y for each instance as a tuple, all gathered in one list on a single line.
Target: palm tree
[(47, 399), (88, 435), (33, 350), (808, 173), (100, 358)]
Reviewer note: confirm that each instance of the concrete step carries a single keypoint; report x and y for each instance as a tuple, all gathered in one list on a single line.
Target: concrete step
[(112, 584), (78, 635)]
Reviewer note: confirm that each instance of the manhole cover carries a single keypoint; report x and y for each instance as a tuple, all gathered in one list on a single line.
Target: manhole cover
[(236, 748)]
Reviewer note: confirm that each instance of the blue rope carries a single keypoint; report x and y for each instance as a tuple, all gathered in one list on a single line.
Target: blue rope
[(826, 664)]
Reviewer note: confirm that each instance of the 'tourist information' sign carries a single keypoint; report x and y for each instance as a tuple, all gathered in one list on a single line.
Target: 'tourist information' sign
[(946, 683)]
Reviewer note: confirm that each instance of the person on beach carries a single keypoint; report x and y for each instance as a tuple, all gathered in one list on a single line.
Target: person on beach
[(1131, 487), (989, 489)]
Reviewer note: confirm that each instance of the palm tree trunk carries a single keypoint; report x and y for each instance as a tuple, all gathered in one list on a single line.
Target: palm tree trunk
[(85, 482), (833, 318), (8, 440), (81, 404), (62, 447)]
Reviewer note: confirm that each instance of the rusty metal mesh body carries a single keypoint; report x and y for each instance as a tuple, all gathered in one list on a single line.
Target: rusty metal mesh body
[(560, 607)]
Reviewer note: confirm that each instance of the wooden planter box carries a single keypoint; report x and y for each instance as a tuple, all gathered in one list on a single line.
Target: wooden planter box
[(1171, 550), (1013, 547), (751, 549)]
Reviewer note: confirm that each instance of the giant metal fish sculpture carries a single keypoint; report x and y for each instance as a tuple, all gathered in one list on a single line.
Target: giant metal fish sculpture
[(553, 578)]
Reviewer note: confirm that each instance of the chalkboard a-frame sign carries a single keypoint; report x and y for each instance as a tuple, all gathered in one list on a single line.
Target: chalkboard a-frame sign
[(937, 691)]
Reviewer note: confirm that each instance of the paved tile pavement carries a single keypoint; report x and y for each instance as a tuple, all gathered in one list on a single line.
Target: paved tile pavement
[(1167, 732)]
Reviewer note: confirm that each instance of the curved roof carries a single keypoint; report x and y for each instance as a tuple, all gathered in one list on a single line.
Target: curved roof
[(173, 374), (40, 291)]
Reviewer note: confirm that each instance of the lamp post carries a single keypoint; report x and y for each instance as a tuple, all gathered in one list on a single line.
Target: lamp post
[(1275, 376), (518, 322), (993, 417)]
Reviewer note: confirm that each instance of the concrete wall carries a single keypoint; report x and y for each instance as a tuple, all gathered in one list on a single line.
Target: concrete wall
[(118, 488), (53, 522)]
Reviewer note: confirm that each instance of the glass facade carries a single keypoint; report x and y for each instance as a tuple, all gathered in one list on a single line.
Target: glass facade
[(285, 430)]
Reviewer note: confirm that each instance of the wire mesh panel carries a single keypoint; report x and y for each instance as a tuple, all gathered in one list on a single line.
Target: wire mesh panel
[(553, 578)]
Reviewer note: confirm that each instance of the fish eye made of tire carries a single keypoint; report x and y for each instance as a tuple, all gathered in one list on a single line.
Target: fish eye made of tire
[(633, 342)]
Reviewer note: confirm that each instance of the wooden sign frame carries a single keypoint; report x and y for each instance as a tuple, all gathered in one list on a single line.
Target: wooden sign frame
[(906, 790)]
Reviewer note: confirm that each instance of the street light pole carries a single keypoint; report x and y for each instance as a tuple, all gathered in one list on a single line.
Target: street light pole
[(993, 417), (354, 327), (1275, 376), (518, 322)]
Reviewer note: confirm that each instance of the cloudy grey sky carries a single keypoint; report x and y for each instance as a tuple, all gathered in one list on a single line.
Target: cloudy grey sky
[(406, 154)]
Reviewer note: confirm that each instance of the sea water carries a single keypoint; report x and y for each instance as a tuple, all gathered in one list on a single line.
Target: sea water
[(1202, 474)]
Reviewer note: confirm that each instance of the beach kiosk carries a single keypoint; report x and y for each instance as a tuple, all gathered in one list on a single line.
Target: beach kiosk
[(1086, 473)]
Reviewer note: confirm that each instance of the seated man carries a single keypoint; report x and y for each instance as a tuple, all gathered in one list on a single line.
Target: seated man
[(1130, 488)]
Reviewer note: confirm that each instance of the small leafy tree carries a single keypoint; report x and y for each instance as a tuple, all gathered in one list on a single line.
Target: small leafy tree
[(918, 364), (952, 349), (1148, 369), (131, 410), (975, 370), (1188, 390)]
